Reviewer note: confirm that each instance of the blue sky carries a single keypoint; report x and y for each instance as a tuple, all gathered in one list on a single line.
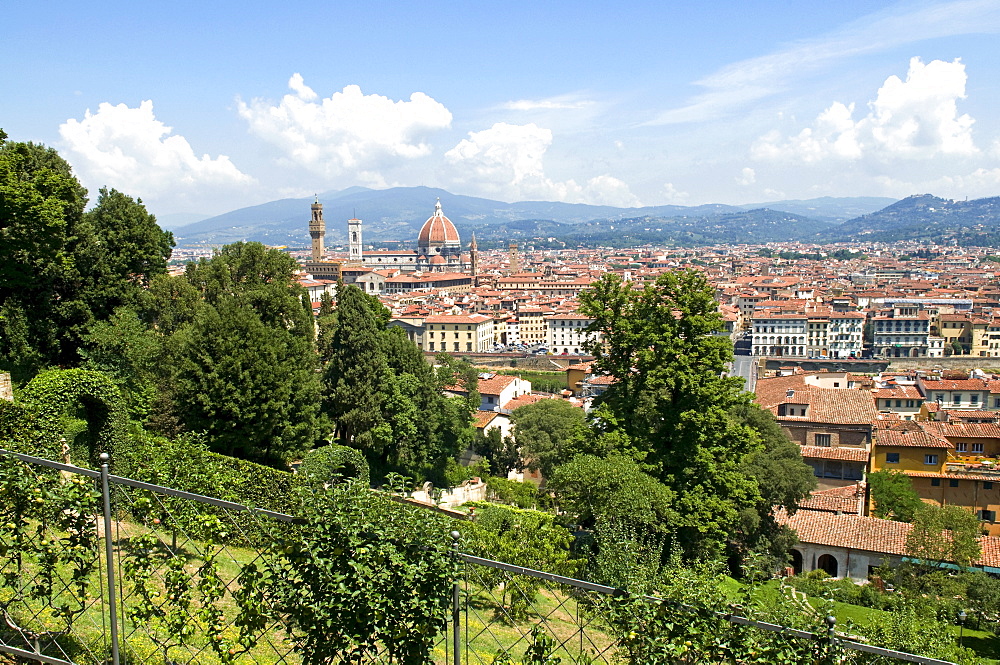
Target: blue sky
[(203, 107)]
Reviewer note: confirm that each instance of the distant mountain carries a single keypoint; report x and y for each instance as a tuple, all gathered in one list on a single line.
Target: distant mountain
[(930, 218), (828, 208), (176, 220), (396, 214)]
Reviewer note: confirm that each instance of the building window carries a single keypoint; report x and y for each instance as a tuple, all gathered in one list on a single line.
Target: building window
[(974, 400), (823, 440), (892, 458), (935, 482), (961, 447), (987, 485), (988, 515), (977, 447), (956, 399), (930, 459), (952, 483)]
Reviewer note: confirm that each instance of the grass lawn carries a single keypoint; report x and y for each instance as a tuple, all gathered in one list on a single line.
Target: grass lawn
[(984, 643)]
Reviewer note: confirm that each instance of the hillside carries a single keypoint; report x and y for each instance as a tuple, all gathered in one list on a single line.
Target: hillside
[(927, 217), (396, 214)]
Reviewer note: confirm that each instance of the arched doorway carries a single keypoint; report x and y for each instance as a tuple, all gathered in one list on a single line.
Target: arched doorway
[(797, 562), (828, 562)]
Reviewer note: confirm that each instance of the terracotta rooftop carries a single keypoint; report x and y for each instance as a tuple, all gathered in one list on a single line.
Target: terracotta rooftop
[(826, 405), (843, 453), (866, 533)]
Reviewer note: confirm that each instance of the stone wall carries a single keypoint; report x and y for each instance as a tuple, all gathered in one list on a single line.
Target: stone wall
[(6, 389)]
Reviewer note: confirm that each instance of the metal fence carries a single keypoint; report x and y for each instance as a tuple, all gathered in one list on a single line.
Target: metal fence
[(96, 568)]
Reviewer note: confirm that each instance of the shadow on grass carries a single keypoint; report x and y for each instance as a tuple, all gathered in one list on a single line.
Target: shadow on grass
[(985, 647)]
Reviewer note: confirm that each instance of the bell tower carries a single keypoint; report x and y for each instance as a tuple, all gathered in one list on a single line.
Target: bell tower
[(354, 240), (317, 230), (474, 256), (515, 261)]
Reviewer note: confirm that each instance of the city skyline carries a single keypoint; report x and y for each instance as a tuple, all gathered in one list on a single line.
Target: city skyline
[(210, 108)]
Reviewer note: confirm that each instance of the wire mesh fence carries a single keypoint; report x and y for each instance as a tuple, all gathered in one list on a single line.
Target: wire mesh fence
[(98, 569)]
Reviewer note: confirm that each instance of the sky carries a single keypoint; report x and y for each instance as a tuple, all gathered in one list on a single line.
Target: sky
[(205, 107)]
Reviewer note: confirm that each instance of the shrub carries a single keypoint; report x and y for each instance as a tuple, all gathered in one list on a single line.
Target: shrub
[(334, 463)]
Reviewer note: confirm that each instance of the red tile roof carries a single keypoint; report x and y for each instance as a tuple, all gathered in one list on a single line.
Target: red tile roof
[(824, 452), (866, 533)]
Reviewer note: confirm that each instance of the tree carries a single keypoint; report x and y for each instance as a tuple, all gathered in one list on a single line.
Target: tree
[(893, 495), (670, 401), (612, 490), (550, 432), (783, 480), (250, 386), (501, 451), (66, 269), (41, 215), (947, 534), (356, 377), (244, 367)]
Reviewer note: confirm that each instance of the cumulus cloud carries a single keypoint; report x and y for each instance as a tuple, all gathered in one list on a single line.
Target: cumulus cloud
[(913, 119), (348, 131), (131, 150), (673, 195), (746, 177), (507, 161)]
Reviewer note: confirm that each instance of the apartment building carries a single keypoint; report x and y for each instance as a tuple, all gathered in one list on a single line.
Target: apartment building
[(567, 333), (458, 333)]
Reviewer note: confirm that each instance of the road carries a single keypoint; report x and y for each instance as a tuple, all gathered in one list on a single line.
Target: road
[(746, 366)]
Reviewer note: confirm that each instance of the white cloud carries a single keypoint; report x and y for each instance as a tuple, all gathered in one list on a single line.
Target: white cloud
[(549, 104), (737, 85), (507, 161), (130, 150), (348, 131), (913, 119), (673, 195), (746, 177)]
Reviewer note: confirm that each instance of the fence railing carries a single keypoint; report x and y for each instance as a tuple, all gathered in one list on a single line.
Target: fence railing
[(97, 569)]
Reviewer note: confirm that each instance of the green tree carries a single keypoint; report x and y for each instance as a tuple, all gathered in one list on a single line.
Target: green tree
[(783, 480), (356, 377), (130, 353), (948, 534), (893, 495), (550, 432), (66, 269), (243, 364), (501, 451), (612, 490), (41, 215), (670, 401), (250, 386)]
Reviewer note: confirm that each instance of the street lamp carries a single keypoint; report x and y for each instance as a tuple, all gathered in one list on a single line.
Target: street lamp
[(961, 626)]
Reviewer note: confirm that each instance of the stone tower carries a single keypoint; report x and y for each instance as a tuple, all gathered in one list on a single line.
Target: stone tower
[(474, 256), (354, 240), (515, 261), (317, 230)]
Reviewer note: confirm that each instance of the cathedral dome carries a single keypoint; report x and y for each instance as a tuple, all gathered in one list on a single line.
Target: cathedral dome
[(437, 233)]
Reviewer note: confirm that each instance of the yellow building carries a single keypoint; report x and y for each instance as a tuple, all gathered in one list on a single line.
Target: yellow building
[(941, 473), (457, 333)]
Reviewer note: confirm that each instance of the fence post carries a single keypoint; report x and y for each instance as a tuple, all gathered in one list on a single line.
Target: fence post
[(456, 608), (109, 549), (831, 638)]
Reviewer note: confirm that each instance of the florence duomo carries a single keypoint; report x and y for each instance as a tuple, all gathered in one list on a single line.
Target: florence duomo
[(439, 247)]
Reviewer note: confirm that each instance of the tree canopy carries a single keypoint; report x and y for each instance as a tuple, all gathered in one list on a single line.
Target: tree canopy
[(671, 398), (893, 495)]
